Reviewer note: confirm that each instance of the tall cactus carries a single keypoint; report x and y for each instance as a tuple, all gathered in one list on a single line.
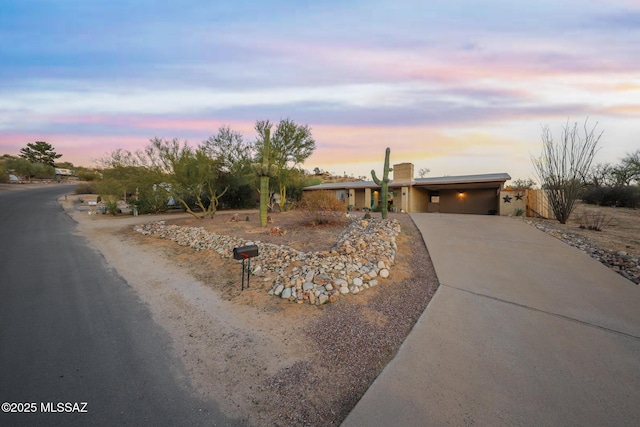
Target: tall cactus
[(383, 183), (265, 170)]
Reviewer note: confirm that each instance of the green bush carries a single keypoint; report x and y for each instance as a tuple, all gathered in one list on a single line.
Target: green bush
[(88, 175), (85, 189), (112, 206), (619, 196), (239, 197)]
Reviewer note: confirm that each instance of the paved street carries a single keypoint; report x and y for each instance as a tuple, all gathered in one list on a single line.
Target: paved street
[(73, 331)]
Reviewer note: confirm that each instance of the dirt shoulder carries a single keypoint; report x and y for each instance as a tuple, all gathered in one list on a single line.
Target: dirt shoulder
[(267, 361)]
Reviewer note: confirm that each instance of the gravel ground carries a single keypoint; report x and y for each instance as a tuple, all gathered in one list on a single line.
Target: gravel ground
[(355, 341), (268, 362)]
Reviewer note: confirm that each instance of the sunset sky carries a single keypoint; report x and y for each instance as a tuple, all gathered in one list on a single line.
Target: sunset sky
[(459, 87)]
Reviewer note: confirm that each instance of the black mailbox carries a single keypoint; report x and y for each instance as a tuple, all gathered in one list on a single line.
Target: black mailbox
[(244, 252)]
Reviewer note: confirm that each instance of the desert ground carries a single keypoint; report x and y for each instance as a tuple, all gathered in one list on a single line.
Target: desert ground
[(621, 231), (268, 361), (265, 360)]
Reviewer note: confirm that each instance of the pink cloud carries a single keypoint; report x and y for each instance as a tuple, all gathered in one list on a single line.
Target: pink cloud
[(81, 150)]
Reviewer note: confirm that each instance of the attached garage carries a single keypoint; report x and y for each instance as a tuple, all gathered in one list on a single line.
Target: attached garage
[(467, 194)]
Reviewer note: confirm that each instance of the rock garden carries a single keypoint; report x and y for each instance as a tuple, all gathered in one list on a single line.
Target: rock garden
[(363, 255)]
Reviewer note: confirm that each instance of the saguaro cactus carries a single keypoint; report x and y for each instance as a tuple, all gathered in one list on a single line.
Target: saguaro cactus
[(265, 170), (383, 183)]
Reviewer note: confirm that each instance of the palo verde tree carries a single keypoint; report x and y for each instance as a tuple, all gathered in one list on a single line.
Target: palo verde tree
[(191, 175), (234, 155), (128, 175), (230, 149), (291, 145), (40, 152), (563, 165)]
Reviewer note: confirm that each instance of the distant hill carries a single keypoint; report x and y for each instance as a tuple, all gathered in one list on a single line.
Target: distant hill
[(328, 178)]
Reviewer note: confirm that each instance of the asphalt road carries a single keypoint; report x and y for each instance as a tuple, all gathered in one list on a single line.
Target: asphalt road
[(72, 331)]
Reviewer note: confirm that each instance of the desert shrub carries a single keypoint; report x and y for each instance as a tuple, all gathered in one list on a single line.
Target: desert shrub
[(85, 188), (111, 204), (322, 207), (620, 196), (239, 197), (522, 184), (88, 175), (152, 204), (150, 199), (595, 220)]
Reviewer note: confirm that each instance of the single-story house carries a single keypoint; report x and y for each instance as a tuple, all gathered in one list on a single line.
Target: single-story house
[(470, 194)]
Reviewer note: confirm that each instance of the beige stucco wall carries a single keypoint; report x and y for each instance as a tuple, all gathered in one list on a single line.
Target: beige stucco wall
[(511, 201), (418, 200), (360, 199), (533, 203)]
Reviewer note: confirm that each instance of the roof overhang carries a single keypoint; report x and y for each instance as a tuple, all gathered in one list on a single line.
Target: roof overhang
[(494, 180), (461, 185)]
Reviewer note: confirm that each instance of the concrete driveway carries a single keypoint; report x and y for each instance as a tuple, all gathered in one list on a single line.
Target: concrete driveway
[(524, 330)]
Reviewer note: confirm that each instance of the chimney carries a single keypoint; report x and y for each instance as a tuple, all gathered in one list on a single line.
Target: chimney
[(403, 172)]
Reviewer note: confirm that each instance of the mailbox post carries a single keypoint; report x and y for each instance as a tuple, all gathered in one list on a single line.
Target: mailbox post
[(245, 253)]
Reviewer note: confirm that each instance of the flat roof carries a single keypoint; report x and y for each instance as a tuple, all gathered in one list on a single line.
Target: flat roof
[(435, 181)]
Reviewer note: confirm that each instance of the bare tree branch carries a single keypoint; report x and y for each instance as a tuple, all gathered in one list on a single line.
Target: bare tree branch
[(564, 166)]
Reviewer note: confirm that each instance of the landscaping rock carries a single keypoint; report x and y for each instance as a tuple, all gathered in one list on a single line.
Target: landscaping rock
[(618, 261), (365, 250)]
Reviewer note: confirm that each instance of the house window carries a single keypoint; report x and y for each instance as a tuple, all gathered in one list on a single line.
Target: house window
[(435, 197)]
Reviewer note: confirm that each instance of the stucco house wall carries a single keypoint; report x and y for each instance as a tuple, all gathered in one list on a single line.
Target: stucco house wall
[(532, 202), (513, 202), (361, 201), (418, 200), (472, 194)]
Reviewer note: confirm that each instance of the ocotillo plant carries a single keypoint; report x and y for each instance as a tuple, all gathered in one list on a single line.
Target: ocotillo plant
[(383, 183), (265, 170)]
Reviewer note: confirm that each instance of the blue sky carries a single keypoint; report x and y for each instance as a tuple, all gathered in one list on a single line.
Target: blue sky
[(462, 87)]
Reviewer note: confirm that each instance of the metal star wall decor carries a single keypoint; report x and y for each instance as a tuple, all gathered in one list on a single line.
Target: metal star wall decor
[(507, 199), (519, 196)]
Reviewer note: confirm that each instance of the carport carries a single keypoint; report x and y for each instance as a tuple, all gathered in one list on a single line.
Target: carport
[(465, 194), (469, 194)]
